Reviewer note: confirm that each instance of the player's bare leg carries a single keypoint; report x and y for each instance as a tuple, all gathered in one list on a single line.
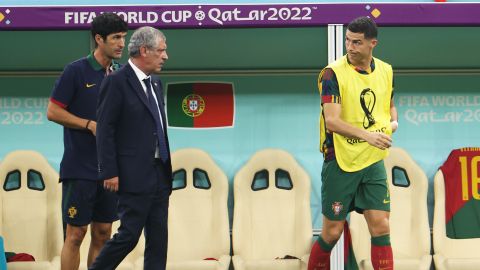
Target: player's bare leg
[(321, 249)]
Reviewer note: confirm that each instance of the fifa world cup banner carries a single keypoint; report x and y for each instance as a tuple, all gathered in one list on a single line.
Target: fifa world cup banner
[(247, 15), (200, 105)]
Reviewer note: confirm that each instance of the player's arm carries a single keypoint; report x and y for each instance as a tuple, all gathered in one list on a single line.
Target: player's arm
[(335, 123), (393, 116), (393, 110), (332, 110), (60, 115)]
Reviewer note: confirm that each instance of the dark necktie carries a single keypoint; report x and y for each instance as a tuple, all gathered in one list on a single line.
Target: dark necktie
[(162, 144)]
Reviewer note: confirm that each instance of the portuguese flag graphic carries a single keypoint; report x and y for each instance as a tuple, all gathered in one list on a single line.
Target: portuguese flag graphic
[(200, 105), (461, 172)]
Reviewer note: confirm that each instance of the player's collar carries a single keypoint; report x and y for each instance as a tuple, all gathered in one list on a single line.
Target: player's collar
[(359, 70), (96, 66)]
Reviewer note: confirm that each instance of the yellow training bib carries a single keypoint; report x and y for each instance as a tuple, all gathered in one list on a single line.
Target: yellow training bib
[(365, 101)]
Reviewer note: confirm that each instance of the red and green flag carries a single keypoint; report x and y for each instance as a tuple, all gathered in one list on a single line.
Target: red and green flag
[(461, 172), (200, 105)]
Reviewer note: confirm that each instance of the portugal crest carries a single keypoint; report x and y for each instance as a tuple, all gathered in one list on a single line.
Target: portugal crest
[(337, 207), (72, 212), (193, 105)]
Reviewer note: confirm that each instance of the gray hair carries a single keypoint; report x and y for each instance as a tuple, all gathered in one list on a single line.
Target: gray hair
[(144, 36)]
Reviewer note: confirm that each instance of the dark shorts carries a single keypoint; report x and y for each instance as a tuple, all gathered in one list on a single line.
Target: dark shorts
[(84, 201), (343, 192)]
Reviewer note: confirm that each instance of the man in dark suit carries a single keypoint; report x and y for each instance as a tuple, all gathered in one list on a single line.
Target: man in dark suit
[(133, 152)]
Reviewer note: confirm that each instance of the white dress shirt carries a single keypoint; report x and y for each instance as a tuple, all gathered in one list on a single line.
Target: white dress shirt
[(142, 76)]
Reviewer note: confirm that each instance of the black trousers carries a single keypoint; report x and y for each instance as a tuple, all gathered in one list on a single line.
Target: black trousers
[(138, 211)]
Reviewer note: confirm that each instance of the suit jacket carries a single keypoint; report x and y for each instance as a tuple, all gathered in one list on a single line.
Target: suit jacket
[(126, 132)]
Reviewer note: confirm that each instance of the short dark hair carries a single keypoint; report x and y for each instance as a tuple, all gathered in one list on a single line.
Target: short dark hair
[(364, 25), (106, 24)]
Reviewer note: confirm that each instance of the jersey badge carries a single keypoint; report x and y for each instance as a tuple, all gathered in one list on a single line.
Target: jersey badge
[(337, 207), (72, 212)]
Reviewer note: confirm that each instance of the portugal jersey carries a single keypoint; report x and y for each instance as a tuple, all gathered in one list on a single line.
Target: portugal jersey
[(462, 193)]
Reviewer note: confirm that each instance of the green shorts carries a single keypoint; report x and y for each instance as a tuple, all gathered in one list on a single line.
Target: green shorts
[(343, 192)]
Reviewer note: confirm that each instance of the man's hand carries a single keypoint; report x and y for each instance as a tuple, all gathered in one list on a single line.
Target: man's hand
[(111, 184), (379, 140), (92, 126)]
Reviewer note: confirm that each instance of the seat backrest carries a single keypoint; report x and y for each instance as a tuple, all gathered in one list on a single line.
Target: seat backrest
[(198, 211), (30, 217), (272, 215), (449, 248), (409, 228)]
